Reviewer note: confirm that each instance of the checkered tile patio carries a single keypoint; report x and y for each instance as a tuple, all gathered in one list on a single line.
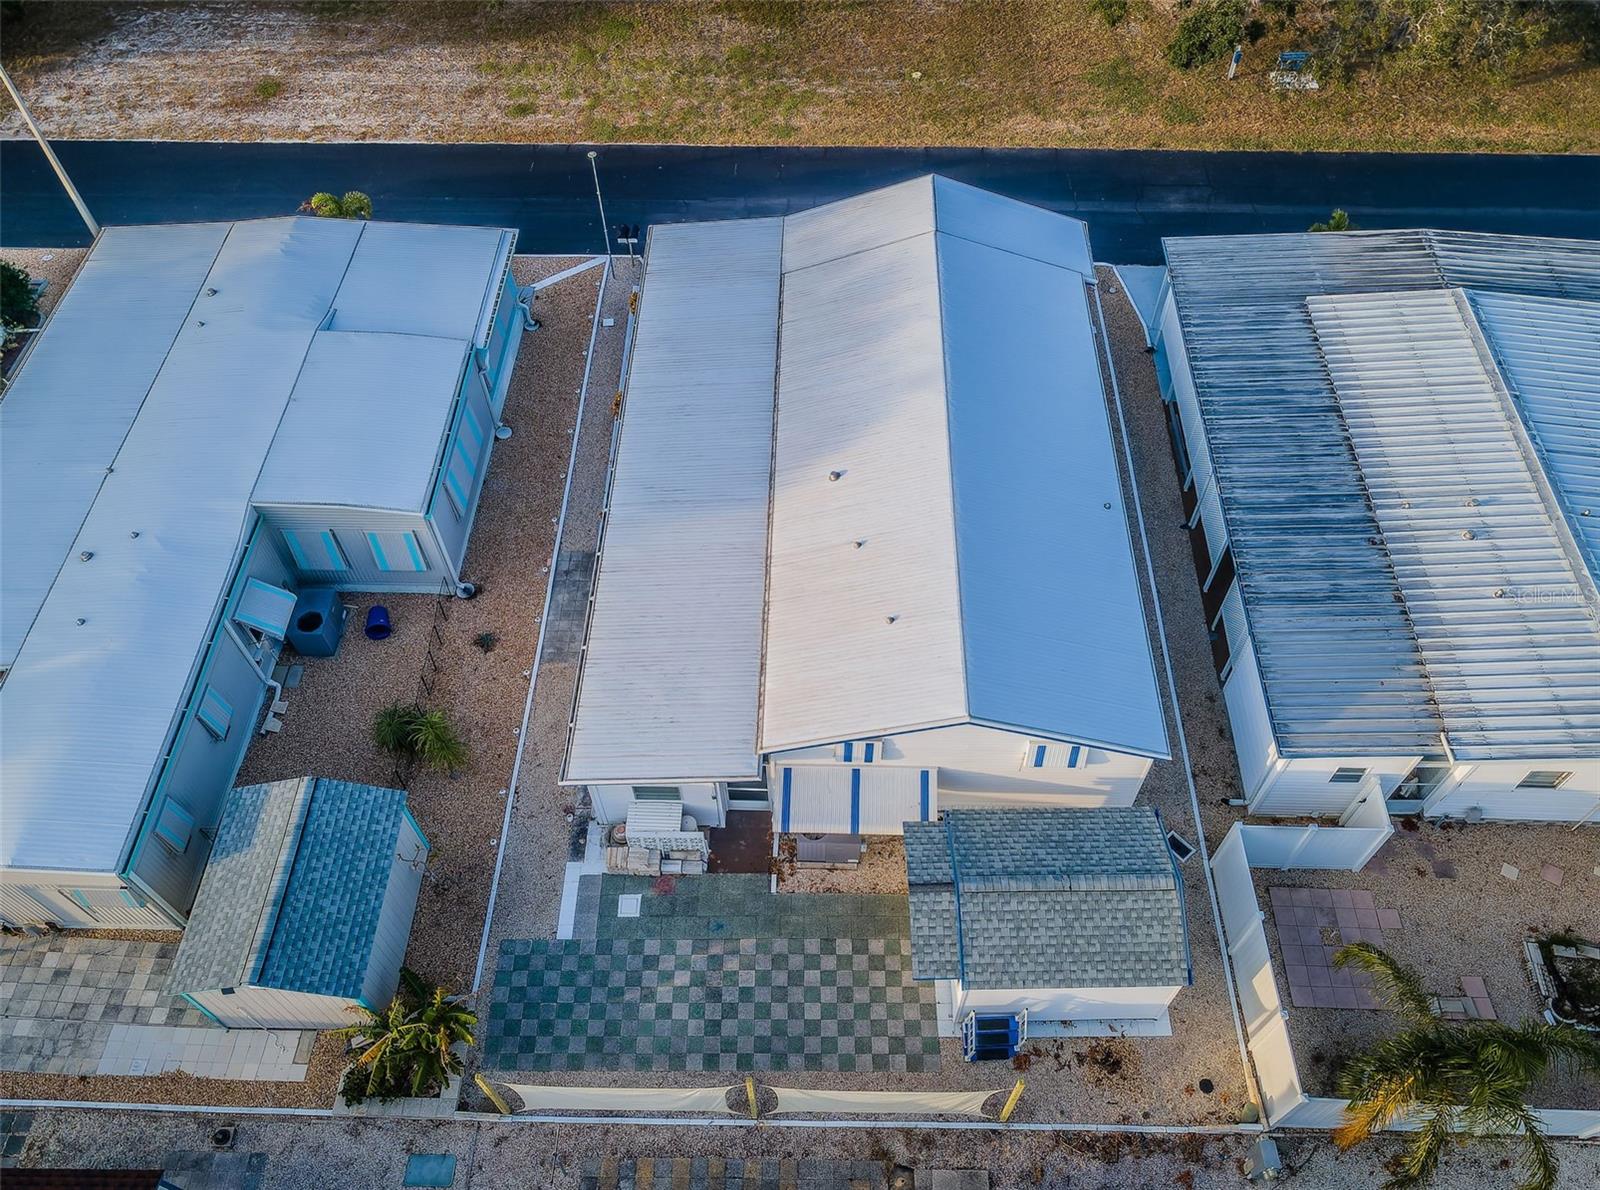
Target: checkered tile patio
[(844, 1004), (1313, 923)]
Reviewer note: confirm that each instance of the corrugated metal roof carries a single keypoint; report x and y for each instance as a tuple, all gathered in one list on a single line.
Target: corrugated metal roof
[(1046, 899), (1498, 605), (1548, 350), (65, 415), (365, 422), (994, 579), (294, 888), (1340, 663), (105, 669), (671, 666)]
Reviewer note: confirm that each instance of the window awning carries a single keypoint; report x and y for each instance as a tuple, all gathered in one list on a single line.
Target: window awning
[(875, 799), (265, 607)]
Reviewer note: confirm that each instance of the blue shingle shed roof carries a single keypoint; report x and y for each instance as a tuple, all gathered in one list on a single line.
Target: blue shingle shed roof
[(294, 889)]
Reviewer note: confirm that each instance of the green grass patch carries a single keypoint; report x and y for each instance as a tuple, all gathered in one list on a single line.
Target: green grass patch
[(267, 88), (1120, 83)]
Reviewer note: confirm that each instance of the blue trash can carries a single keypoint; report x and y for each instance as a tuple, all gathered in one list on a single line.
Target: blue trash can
[(378, 626)]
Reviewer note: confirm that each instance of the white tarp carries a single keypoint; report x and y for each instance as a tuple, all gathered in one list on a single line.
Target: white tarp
[(659, 824), (898, 1103), (700, 1100)]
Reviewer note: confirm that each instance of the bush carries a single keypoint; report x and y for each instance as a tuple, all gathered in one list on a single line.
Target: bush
[(354, 205), (267, 88), (406, 731), (407, 1050), (1111, 12), (19, 305), (1207, 32), (1338, 221)]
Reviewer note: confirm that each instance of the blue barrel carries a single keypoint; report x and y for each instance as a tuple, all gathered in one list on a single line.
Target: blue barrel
[(378, 626)]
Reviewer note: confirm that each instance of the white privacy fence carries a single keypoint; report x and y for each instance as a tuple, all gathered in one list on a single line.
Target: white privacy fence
[(1364, 828), (1265, 1022)]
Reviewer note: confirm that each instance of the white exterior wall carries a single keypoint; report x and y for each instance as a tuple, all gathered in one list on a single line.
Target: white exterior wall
[(273, 1008), (706, 801), (1304, 785), (1065, 1004), (394, 919), (1491, 786), (982, 767), (34, 897)]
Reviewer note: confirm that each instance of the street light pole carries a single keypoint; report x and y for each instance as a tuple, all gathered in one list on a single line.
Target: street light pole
[(601, 203), (55, 162)]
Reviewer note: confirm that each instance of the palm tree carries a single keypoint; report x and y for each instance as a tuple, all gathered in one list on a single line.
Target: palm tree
[(408, 1046), (1445, 1077)]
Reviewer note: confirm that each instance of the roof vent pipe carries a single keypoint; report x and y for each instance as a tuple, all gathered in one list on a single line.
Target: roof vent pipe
[(890, 619), (834, 476)]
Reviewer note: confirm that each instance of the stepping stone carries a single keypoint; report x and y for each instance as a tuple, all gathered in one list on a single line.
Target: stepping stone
[(629, 904), (1389, 919), (1509, 871), (1552, 874)]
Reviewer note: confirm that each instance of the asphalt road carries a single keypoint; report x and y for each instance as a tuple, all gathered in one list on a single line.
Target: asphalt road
[(1130, 198)]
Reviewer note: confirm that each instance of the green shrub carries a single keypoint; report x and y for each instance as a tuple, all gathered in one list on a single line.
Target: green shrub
[(267, 88), (1338, 221), (356, 205), (1207, 32), (326, 205), (1111, 12), (436, 744), (19, 305), (391, 730)]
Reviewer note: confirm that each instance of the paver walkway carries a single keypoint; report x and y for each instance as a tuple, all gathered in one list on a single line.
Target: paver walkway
[(77, 1006), (717, 975), (732, 1173)]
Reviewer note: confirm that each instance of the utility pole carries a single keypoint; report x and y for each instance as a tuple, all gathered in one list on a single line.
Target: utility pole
[(55, 162), (601, 203)]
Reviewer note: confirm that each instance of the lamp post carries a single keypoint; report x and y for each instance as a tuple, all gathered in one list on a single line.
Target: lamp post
[(605, 227), (55, 162)]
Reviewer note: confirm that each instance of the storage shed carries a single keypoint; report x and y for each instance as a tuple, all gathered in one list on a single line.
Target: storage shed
[(305, 907), (1048, 915)]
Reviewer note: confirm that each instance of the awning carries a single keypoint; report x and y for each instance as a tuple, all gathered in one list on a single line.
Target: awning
[(265, 607), (875, 799)]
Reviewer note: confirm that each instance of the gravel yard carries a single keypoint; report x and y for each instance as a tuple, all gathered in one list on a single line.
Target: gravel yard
[(1471, 922), (882, 870), (55, 266), (372, 1155)]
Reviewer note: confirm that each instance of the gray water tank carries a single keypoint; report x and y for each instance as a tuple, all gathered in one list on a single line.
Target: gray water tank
[(317, 623)]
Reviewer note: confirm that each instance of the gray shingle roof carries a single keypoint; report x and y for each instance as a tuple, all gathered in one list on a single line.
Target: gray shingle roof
[(1046, 899), (293, 891)]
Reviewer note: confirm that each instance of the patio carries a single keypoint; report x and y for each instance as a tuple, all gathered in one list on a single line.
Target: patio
[(1454, 903)]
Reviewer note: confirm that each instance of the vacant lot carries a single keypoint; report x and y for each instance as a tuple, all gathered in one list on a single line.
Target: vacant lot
[(890, 72)]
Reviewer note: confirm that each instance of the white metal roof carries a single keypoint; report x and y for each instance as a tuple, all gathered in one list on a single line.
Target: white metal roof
[(1340, 661), (365, 422), (1500, 607), (424, 279), (106, 667), (1548, 350), (65, 415), (843, 799), (938, 356), (671, 667), (936, 350)]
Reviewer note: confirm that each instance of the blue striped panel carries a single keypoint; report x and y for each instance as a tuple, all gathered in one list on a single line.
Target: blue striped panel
[(377, 551), (868, 750), (469, 422), (1072, 757), (335, 554), (849, 750), (214, 714), (855, 801), (1038, 757), (416, 553), (923, 804), (788, 788), (292, 540)]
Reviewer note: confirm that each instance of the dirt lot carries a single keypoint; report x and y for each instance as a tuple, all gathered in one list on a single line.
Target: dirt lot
[(892, 72)]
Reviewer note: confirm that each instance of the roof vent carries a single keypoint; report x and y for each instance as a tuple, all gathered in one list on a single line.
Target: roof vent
[(1499, 592), (210, 291), (835, 476), (1468, 535), (859, 542), (1470, 502), (86, 555), (890, 619)]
